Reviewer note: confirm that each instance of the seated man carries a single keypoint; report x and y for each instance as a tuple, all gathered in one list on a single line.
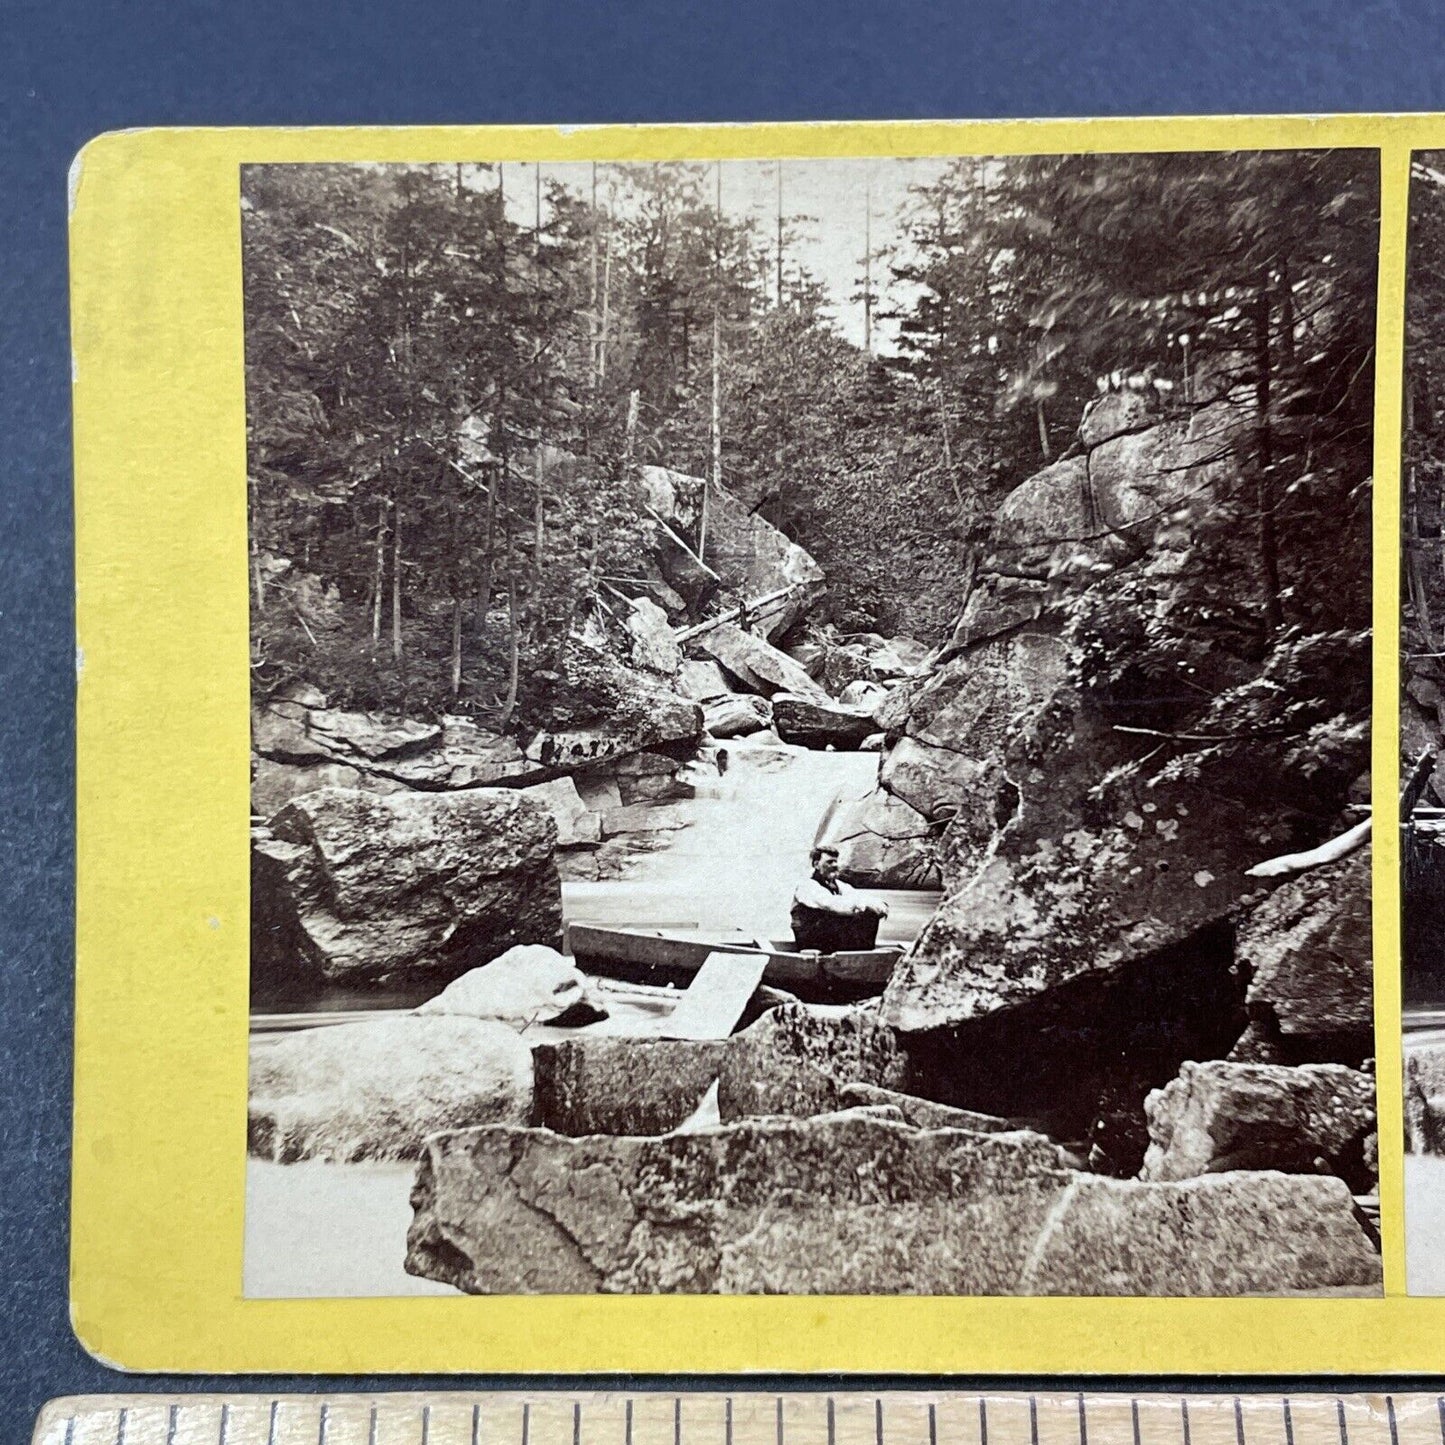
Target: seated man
[(829, 916)]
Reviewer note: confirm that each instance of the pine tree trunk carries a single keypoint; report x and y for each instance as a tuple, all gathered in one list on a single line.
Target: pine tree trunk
[(1043, 429), (1267, 538)]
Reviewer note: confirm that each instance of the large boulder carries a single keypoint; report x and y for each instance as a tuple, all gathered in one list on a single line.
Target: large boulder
[(1112, 415), (375, 1090), (931, 780), (371, 736), (855, 1203), (881, 842), (1246, 1233), (750, 555), (528, 984), (702, 680), (736, 715), (1220, 1116), (274, 784), (300, 745), (844, 1204), (653, 646), (1308, 950), (577, 825), (1138, 477), (795, 1060), (602, 1085), (645, 716), (367, 888), (811, 722), (756, 664)]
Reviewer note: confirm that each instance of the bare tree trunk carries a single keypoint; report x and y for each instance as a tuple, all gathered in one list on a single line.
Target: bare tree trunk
[(456, 648), (1268, 540), (484, 586), (1043, 428), (396, 582), (379, 575), (510, 705), (629, 435)]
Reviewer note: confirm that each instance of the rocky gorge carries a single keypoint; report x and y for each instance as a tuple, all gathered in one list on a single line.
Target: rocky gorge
[(1118, 1058)]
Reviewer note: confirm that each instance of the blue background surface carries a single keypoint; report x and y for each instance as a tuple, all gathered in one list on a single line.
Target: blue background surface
[(71, 70)]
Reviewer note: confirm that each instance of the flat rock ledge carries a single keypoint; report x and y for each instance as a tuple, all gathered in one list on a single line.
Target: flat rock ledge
[(854, 1203)]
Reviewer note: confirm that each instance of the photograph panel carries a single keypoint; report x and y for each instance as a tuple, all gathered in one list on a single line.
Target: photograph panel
[(811, 726)]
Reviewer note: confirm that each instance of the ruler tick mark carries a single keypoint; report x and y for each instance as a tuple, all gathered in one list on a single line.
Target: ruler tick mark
[(1083, 1422), (576, 1422), (780, 1419), (832, 1431), (1390, 1415), (878, 1420), (727, 1421), (477, 1422), (527, 1421), (1033, 1420), (271, 1425), (932, 1424), (1184, 1416), (425, 1422), (1344, 1429), (1288, 1423), (172, 1417), (370, 1426), (677, 1422), (982, 1423), (1134, 1419), (225, 1423), (627, 1424), (69, 1430), (1238, 1422)]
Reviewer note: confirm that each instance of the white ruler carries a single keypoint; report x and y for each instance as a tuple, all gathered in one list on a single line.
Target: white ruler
[(745, 1418)]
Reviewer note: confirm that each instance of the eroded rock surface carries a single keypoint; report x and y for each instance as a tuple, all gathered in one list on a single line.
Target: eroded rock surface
[(357, 886), (600, 1085), (375, 1090), (757, 665), (855, 1203), (1309, 950), (795, 1060), (812, 723), (881, 842), (1219, 1116)]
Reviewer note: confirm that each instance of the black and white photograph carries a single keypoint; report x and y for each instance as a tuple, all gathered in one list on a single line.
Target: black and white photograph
[(1422, 714), (811, 724)]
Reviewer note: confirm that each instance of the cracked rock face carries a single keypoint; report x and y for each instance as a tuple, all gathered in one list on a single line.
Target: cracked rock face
[(1221, 1116), (852, 1203), (623, 1085), (352, 885), (1308, 947), (796, 1060)]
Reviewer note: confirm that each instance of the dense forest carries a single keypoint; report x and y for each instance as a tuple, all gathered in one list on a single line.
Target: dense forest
[(453, 373)]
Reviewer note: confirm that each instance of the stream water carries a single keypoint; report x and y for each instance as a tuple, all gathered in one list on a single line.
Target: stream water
[(319, 1229)]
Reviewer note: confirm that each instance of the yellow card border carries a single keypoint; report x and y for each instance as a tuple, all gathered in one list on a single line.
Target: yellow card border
[(162, 824)]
